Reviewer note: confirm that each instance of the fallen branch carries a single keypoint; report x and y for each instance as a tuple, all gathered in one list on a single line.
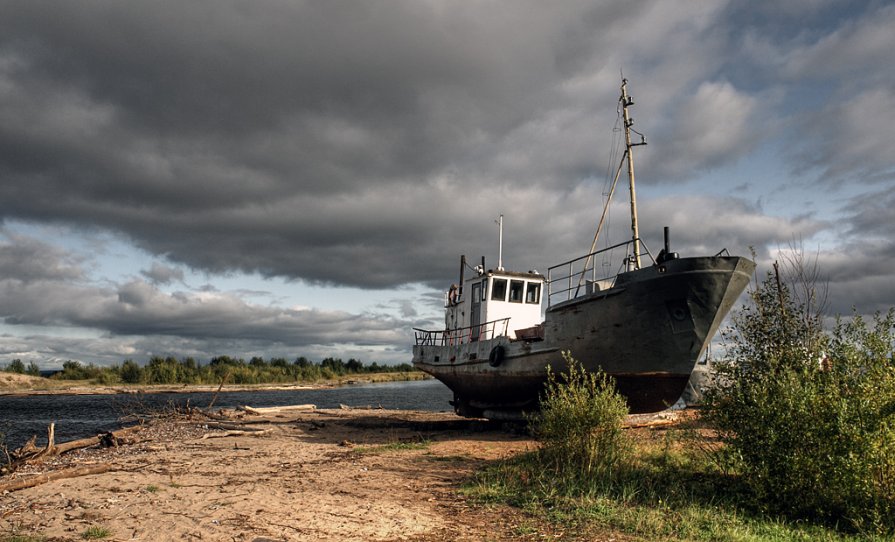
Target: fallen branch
[(233, 427), (30, 453), (39, 479), (654, 423), (236, 433), (277, 410), (112, 439), (215, 396)]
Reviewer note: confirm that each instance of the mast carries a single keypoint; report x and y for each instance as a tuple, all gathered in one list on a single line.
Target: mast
[(626, 102)]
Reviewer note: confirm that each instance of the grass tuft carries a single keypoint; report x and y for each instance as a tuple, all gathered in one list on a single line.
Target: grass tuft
[(96, 532), (16, 537)]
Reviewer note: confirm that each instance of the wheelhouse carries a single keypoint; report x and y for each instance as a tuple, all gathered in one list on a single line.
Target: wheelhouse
[(496, 295)]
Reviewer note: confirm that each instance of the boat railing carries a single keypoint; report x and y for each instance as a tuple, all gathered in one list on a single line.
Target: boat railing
[(581, 276), (463, 335)]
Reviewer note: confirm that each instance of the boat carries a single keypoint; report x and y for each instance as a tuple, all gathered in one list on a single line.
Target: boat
[(645, 324)]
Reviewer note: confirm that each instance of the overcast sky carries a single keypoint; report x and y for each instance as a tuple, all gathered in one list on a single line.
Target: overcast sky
[(286, 178)]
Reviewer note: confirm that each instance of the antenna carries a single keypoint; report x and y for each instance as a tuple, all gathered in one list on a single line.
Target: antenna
[(499, 223)]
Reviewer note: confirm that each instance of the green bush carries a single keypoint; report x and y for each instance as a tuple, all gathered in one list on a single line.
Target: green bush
[(130, 372), (32, 369), (808, 418), (16, 366), (580, 424)]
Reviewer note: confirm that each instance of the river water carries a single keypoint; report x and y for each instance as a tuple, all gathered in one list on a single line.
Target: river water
[(78, 416)]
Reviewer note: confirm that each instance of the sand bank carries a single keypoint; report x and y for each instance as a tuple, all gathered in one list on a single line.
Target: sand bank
[(304, 475), (17, 384)]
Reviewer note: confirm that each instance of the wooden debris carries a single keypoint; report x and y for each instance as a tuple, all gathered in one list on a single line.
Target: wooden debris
[(277, 410), (30, 453), (74, 472), (237, 433), (650, 424), (111, 439), (215, 396), (234, 427)]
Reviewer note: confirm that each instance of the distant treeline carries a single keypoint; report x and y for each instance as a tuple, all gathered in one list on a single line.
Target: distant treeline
[(170, 370)]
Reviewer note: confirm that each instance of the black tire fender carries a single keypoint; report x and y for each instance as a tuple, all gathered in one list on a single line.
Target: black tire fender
[(496, 356)]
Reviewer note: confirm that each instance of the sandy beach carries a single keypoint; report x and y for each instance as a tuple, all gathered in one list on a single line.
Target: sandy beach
[(306, 475), (20, 384)]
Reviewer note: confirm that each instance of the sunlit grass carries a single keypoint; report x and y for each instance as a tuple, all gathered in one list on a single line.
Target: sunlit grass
[(671, 490), (17, 537)]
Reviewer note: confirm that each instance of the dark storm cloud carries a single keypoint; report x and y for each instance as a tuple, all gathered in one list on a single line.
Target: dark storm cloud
[(367, 144), (843, 130), (42, 286), (328, 141), (138, 307), (860, 270)]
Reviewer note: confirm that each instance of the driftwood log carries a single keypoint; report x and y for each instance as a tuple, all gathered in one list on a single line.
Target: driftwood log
[(36, 480), (237, 433), (277, 410), (234, 427), (30, 453), (650, 424)]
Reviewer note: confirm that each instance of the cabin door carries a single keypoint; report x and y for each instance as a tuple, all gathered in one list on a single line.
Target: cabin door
[(475, 316)]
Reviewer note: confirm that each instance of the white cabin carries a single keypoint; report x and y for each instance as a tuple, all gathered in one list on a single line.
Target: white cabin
[(487, 300)]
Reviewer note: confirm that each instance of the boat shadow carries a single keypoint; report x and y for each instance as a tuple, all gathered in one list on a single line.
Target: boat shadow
[(389, 427)]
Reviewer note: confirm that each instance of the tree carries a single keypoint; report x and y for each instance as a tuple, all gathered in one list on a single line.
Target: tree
[(257, 362), (72, 370), (336, 365), (130, 372), (162, 370), (16, 366), (807, 417), (302, 362), (32, 369)]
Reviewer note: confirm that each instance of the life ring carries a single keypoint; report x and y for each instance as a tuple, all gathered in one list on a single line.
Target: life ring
[(453, 295), (495, 358)]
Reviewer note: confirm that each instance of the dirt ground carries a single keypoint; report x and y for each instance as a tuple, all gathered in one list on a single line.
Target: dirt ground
[(310, 475)]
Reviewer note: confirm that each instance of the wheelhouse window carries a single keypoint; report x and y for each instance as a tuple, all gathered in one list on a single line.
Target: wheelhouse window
[(499, 290), (533, 293), (517, 287)]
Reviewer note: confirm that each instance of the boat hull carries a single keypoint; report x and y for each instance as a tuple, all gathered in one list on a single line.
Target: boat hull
[(647, 332)]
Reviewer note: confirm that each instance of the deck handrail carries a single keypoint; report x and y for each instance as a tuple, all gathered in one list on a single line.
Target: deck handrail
[(576, 278), (463, 335)]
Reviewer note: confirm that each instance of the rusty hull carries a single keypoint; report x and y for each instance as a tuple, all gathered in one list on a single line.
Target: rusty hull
[(647, 332)]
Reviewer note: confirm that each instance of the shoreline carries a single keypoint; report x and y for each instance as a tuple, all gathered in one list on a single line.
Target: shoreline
[(347, 475), (31, 386), (323, 475)]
